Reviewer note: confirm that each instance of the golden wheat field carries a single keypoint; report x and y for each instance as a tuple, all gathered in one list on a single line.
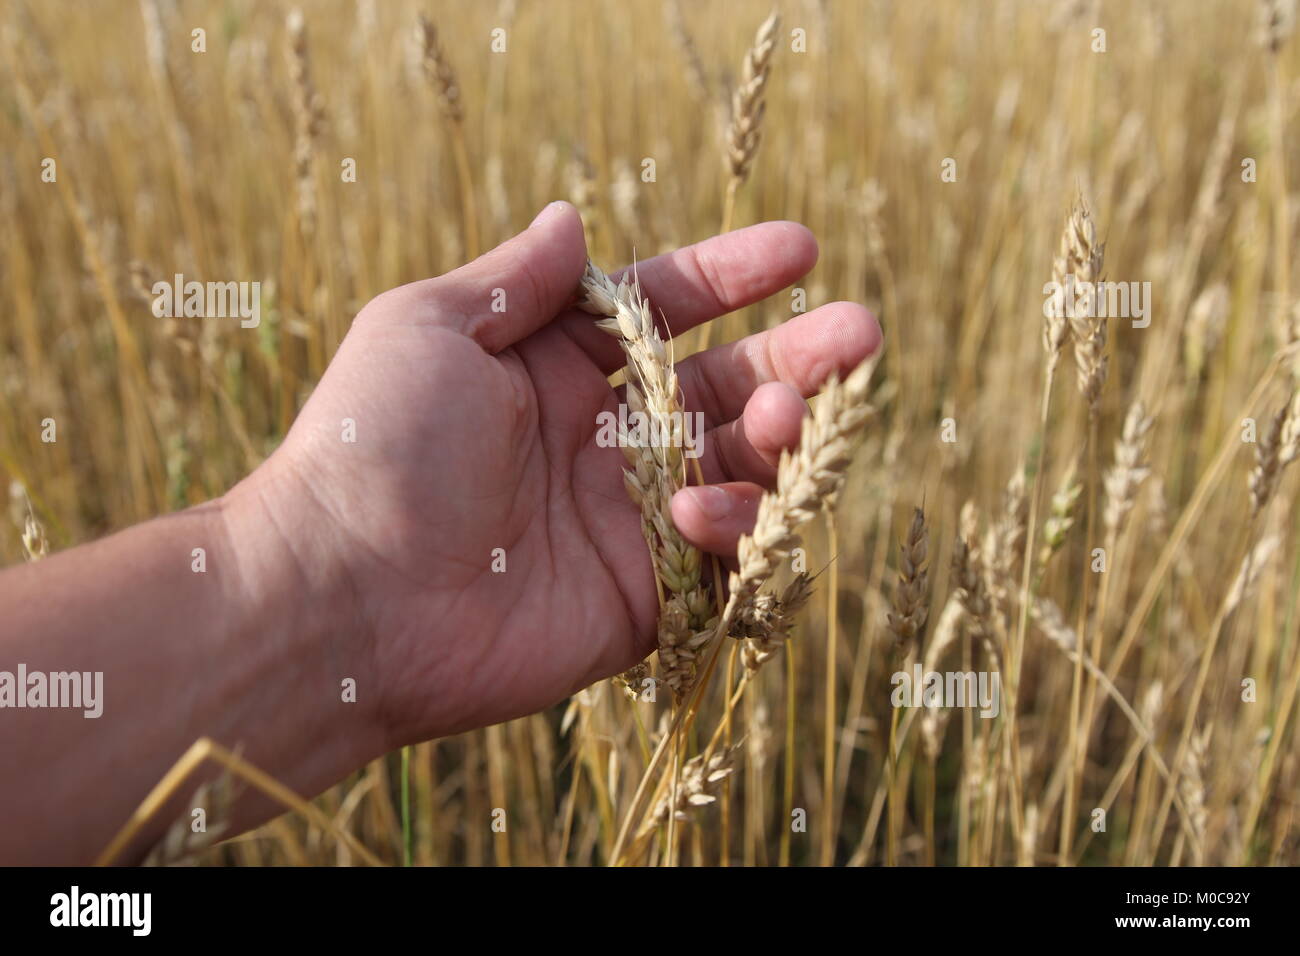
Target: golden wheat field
[(1093, 513)]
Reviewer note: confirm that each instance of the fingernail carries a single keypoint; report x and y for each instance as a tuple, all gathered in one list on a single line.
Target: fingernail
[(549, 210), (713, 502)]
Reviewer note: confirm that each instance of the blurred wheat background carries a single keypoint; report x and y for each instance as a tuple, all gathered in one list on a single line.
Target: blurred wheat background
[(226, 165)]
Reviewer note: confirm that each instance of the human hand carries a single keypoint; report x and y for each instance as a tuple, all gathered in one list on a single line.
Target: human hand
[(475, 430)]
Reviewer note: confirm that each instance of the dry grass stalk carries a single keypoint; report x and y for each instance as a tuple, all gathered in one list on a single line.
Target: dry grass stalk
[(1051, 622), (181, 843)]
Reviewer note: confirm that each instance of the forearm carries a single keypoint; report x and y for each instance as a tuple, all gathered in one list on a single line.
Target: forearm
[(245, 643)]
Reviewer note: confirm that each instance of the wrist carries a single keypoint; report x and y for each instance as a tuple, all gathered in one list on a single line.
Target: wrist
[(301, 608)]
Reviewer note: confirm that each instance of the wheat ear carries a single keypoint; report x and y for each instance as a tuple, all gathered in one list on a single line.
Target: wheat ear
[(1079, 260), (747, 102), (806, 478), (656, 471), (907, 620)]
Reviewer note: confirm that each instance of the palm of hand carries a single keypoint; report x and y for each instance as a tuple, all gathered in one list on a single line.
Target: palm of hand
[(481, 504)]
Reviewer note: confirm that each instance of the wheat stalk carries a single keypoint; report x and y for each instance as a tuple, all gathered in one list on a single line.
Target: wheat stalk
[(1122, 482), (1079, 260)]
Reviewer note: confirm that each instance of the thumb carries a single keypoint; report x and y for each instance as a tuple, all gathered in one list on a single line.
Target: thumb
[(512, 291)]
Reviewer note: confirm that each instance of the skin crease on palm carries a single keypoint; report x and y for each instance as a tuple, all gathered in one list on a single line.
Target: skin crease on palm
[(475, 430)]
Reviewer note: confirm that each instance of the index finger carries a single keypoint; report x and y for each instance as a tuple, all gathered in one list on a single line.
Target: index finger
[(691, 285)]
